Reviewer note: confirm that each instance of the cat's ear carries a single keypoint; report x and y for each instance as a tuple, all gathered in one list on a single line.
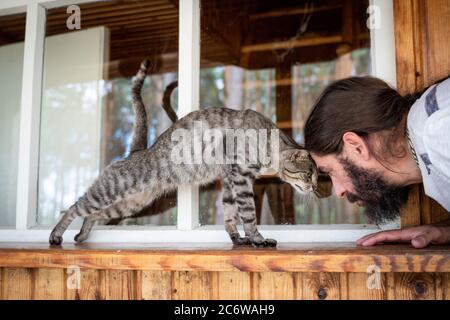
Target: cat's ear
[(296, 159), (324, 186)]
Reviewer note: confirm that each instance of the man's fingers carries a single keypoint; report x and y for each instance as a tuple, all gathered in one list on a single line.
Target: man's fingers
[(395, 235), (420, 236), (420, 242), (361, 240)]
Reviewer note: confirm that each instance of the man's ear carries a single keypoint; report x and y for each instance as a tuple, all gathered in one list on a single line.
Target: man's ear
[(355, 145), (324, 186)]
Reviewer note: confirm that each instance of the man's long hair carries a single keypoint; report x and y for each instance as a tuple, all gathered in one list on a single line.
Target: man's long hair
[(363, 105)]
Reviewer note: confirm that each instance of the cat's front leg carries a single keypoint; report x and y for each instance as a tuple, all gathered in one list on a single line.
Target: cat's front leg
[(243, 190), (231, 215)]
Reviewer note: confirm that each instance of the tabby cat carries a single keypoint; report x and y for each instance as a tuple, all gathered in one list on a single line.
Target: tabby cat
[(127, 186)]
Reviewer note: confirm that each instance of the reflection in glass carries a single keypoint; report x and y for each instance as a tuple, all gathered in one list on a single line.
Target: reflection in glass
[(12, 31), (87, 116)]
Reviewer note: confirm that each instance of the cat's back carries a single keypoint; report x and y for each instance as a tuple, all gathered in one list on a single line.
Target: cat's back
[(225, 118), (210, 118)]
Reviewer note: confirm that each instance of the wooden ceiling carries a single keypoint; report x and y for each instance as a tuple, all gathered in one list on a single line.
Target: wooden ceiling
[(249, 33)]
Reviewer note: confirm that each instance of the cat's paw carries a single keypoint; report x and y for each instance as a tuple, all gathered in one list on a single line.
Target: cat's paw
[(240, 241), (80, 237), (263, 243), (55, 240)]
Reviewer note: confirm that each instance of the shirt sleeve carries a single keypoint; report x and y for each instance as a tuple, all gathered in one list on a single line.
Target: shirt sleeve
[(436, 135)]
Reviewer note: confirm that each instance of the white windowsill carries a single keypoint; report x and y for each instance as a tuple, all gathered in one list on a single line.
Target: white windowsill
[(202, 234)]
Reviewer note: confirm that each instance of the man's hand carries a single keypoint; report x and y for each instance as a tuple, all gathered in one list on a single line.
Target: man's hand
[(420, 236)]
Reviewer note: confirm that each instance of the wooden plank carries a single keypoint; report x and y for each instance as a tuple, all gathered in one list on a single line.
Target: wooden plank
[(405, 47), (294, 258), (89, 286), (274, 285), (364, 286), (446, 286), (436, 32), (17, 284), (408, 68), (390, 286), (414, 286), (191, 285), (343, 286), (410, 214), (321, 286), (117, 285), (156, 285), (298, 286), (49, 284), (234, 285)]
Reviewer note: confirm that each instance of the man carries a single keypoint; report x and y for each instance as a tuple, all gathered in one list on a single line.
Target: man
[(374, 144)]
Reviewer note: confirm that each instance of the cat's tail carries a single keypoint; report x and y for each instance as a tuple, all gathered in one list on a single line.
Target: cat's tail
[(167, 106), (140, 123)]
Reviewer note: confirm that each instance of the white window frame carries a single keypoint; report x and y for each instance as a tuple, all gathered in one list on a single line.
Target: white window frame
[(188, 228)]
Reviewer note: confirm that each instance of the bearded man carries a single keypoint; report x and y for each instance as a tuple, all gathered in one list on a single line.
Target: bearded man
[(374, 144)]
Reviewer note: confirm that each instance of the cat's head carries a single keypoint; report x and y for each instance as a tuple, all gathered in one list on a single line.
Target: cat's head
[(298, 169)]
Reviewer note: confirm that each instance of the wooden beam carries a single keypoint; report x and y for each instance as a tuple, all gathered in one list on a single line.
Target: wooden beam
[(303, 42), (292, 11), (284, 258)]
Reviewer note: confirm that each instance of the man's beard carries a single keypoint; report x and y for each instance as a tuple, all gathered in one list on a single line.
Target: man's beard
[(381, 200)]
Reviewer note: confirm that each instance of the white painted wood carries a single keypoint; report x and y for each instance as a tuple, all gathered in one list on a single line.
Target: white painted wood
[(17, 6), (188, 98), (209, 234), (30, 117), (382, 40), (382, 50)]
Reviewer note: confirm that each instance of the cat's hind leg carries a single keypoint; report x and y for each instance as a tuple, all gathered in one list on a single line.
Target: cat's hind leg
[(86, 228), (128, 206), (82, 208)]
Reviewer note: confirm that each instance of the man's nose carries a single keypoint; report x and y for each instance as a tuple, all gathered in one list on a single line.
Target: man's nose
[(339, 190)]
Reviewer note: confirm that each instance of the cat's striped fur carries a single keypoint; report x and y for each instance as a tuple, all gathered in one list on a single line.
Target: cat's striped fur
[(129, 185)]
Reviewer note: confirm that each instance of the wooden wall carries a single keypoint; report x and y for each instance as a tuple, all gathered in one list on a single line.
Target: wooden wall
[(24, 283), (422, 33)]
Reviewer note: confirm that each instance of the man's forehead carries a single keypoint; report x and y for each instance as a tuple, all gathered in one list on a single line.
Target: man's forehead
[(324, 162)]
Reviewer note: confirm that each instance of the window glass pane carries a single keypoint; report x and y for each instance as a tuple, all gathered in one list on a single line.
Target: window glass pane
[(87, 116), (12, 32), (276, 57)]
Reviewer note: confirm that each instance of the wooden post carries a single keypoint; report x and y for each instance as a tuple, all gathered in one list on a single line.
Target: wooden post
[(422, 52), (284, 114)]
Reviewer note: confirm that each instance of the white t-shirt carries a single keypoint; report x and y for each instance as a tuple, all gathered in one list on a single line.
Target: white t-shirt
[(429, 130)]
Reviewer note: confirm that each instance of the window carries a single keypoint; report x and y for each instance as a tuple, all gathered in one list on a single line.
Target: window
[(76, 117), (86, 115), (276, 58), (12, 29)]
